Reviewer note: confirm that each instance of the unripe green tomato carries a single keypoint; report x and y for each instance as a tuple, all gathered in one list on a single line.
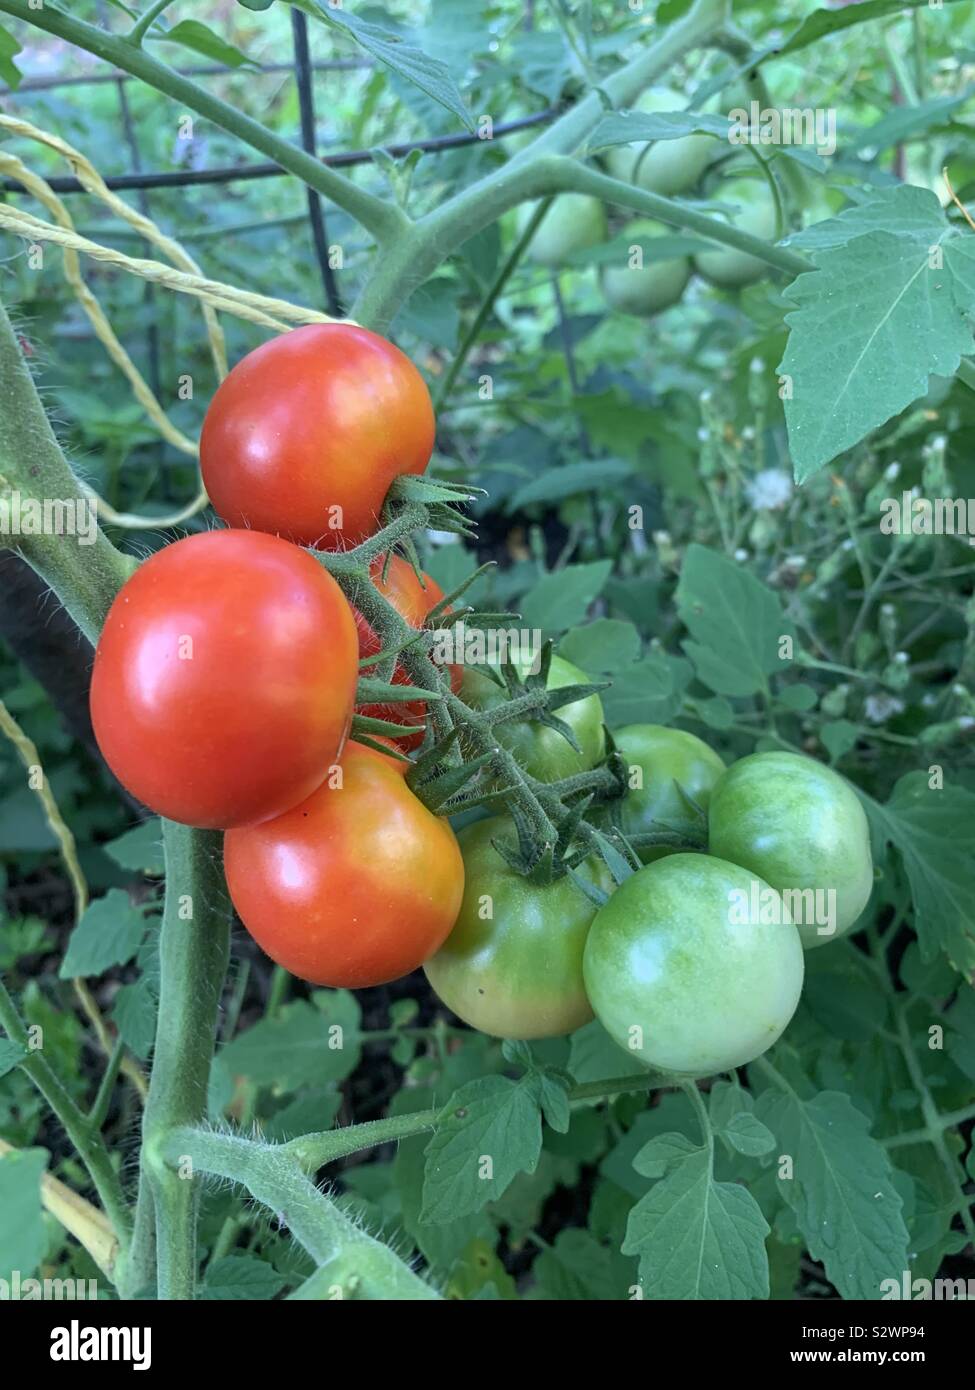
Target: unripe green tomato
[(686, 976), (661, 761), (669, 166), (512, 966), (800, 826), (648, 287), (573, 222), (731, 269), (540, 750)]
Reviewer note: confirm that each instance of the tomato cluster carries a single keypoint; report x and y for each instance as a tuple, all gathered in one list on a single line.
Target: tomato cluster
[(225, 676), (694, 962), (222, 696)]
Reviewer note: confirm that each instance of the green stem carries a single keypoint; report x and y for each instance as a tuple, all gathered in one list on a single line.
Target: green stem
[(146, 21), (85, 577), (99, 1109), (352, 1262), (315, 1151), (193, 953), (383, 220), (83, 1135), (487, 305)]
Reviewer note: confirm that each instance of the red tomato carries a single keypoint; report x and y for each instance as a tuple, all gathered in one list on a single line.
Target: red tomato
[(224, 679), (413, 601), (358, 885), (305, 435)]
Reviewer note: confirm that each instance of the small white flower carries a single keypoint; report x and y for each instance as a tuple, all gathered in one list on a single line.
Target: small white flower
[(769, 490), (881, 707)]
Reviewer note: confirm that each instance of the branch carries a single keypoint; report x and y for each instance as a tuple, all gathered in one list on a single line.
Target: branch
[(381, 219), (89, 1144), (353, 1264)]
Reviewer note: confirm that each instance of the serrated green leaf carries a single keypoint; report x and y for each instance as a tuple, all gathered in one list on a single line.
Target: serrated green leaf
[(662, 1152), (697, 1238), (602, 647), (736, 623), (934, 831), (429, 74), (488, 1133), (301, 1045), (240, 1277), (845, 361), (108, 934), (561, 599), (842, 1191), (140, 849)]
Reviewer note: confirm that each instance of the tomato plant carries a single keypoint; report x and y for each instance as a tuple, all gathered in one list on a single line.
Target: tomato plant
[(224, 677), (681, 982), (512, 965), (684, 297), (307, 432), (357, 885)]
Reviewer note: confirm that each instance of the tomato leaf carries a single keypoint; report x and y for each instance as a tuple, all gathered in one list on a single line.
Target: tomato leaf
[(23, 1236), (841, 1189), (736, 623), (200, 38), (240, 1277), (909, 280), (934, 832), (697, 1238), (489, 1131), (11, 1055), (300, 1045), (108, 934), (140, 849), (9, 71), (429, 74)]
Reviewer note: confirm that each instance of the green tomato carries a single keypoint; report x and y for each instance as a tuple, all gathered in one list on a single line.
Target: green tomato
[(669, 166), (660, 762), (800, 827), (648, 287), (543, 752), (574, 222), (684, 974), (512, 966), (731, 269)]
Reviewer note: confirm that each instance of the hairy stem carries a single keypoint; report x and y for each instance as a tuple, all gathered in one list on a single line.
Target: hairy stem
[(353, 1264), (193, 955)]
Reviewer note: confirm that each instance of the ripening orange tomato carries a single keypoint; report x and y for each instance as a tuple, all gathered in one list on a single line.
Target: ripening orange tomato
[(358, 885)]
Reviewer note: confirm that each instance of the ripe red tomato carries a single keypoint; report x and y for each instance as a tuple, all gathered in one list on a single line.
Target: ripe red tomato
[(413, 600), (358, 885), (307, 432), (224, 679)]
